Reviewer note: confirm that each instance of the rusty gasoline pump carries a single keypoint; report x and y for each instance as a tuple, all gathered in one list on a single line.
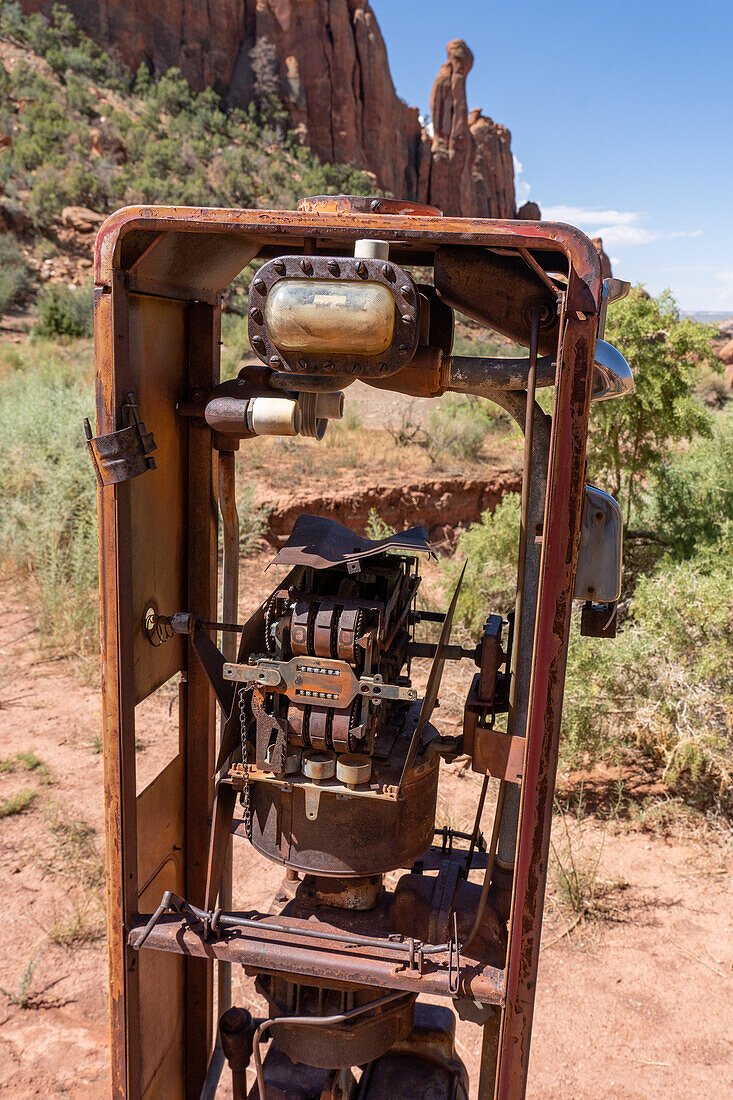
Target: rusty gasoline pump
[(328, 755)]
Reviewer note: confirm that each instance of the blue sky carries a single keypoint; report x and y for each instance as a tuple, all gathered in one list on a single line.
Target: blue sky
[(621, 117)]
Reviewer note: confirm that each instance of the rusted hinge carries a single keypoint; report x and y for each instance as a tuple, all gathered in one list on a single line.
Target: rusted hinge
[(123, 454)]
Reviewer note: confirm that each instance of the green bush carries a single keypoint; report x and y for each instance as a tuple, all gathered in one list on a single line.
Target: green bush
[(64, 311), (459, 426), (15, 275), (629, 439), (167, 143), (663, 685), (48, 494), (490, 548), (694, 492)]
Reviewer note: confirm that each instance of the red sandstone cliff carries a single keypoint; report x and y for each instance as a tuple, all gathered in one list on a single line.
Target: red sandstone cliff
[(329, 61)]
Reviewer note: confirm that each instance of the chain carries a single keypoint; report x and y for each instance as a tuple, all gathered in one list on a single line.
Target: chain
[(244, 797)]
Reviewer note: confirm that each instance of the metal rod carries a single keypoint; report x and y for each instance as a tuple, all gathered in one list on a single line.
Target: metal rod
[(309, 1021), (477, 822), (229, 600), (526, 481), (213, 1073), (491, 856), (217, 920), (539, 270)]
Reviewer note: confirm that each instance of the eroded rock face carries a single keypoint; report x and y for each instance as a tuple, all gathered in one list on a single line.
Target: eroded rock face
[(328, 60), (471, 169)]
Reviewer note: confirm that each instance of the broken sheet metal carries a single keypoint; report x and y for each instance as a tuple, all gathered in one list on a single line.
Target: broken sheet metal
[(321, 543)]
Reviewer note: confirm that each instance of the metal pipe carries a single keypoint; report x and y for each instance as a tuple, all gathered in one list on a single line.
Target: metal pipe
[(309, 1021), (470, 371)]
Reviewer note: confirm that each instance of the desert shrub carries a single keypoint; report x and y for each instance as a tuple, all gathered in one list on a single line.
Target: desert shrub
[(694, 492), (48, 491), (15, 275), (663, 685), (629, 439), (64, 311), (252, 519), (491, 549), (170, 144), (376, 528), (459, 426)]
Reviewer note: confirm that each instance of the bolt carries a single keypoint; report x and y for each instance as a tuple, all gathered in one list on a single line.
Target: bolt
[(258, 343), (328, 367), (302, 364), (375, 205), (407, 319), (260, 287), (361, 269), (333, 267), (275, 361), (256, 315), (279, 266), (307, 266), (388, 272), (404, 347), (406, 291)]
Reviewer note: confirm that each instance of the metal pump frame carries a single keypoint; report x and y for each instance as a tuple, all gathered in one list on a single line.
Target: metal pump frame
[(159, 275)]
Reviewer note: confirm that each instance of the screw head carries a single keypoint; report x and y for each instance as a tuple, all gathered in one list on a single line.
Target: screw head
[(388, 272), (383, 368), (404, 347), (256, 315), (306, 265), (275, 361), (328, 367), (279, 266), (407, 319), (333, 267), (260, 287), (361, 269), (258, 343), (302, 364), (406, 291)]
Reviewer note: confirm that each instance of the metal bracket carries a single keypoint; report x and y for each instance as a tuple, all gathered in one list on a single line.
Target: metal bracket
[(124, 454)]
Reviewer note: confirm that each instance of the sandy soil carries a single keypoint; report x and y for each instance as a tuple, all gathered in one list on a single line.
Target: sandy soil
[(637, 1004)]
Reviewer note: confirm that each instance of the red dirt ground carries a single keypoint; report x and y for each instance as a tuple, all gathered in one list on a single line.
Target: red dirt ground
[(638, 1005)]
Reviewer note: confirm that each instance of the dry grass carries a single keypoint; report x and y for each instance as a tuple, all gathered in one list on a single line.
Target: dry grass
[(577, 858), (17, 803)]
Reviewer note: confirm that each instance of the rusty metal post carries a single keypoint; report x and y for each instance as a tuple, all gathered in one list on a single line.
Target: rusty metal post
[(203, 368), (230, 600), (562, 527)]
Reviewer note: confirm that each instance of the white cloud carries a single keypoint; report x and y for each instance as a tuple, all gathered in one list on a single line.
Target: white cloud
[(618, 228), (521, 187)]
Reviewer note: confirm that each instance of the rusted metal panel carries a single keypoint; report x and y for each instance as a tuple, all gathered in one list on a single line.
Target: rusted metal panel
[(157, 364), (284, 226), (161, 825)]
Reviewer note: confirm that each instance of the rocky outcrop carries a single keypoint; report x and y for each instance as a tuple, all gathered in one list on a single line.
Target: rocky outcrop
[(442, 505), (471, 170), (327, 61)]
